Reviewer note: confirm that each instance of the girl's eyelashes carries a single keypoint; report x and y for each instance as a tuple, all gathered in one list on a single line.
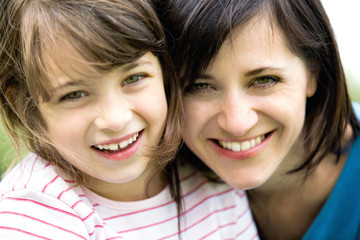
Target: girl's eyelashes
[(134, 79), (78, 94), (265, 81), (72, 96)]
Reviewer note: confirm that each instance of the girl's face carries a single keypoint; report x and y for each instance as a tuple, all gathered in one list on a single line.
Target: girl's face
[(107, 125), (246, 110)]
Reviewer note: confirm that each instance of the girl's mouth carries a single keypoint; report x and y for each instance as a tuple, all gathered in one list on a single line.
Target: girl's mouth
[(242, 145), (117, 147)]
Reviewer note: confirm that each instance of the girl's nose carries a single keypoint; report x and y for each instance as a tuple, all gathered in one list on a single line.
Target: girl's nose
[(114, 114)]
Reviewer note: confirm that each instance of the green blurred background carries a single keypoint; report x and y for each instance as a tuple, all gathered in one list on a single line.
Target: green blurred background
[(6, 151)]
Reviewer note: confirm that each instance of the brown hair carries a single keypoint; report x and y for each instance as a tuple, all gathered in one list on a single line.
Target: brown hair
[(104, 34), (197, 29)]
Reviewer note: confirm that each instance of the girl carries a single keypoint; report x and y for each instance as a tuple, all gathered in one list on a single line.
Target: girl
[(88, 87), (266, 108)]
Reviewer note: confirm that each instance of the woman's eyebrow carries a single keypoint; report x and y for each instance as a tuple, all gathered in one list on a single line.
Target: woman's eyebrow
[(204, 76), (247, 74), (260, 70)]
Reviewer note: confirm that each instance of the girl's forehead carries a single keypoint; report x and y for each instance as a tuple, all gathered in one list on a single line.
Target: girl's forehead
[(64, 59)]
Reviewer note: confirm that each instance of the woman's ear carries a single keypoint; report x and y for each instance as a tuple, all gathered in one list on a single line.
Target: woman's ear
[(312, 84)]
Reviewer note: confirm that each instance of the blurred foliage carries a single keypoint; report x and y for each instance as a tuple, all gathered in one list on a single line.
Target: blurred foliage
[(353, 83), (7, 153)]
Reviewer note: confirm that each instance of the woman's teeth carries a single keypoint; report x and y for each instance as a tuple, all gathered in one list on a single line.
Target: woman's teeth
[(118, 146), (242, 146)]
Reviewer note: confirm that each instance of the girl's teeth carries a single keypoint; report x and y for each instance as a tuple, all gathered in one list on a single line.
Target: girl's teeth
[(112, 147), (115, 146), (124, 144), (242, 146)]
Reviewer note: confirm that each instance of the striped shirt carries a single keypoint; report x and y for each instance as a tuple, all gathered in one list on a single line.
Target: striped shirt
[(38, 201)]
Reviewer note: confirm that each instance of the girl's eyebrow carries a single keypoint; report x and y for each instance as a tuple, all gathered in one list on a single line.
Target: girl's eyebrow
[(128, 66), (124, 68), (69, 84)]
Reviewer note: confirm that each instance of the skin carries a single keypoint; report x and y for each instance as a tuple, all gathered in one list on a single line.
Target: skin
[(254, 87), (253, 96), (86, 114)]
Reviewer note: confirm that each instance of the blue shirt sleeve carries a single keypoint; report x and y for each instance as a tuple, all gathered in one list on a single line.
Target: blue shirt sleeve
[(356, 107)]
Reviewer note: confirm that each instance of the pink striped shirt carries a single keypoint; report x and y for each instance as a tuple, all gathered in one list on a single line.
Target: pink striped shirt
[(38, 201)]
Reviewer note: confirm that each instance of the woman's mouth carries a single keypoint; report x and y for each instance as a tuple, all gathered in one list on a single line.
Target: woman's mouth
[(245, 145)]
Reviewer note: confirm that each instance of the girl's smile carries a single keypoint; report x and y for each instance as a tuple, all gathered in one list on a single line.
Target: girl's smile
[(107, 125), (120, 149)]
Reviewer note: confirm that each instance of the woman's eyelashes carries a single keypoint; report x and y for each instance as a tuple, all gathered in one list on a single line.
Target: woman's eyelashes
[(199, 88), (259, 82), (265, 81)]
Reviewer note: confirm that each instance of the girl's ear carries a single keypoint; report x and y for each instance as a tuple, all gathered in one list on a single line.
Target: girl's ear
[(10, 94), (312, 84)]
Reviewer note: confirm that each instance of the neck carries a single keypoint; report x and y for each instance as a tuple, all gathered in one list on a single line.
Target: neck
[(149, 184), (282, 181), (286, 205)]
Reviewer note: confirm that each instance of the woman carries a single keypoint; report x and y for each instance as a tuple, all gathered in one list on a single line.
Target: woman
[(267, 110)]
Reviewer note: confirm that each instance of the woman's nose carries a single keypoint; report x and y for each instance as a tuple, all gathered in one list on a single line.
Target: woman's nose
[(237, 114)]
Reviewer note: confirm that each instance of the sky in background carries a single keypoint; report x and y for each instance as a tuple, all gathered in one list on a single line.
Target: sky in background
[(345, 20)]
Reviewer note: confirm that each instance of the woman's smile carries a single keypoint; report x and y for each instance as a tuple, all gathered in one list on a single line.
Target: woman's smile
[(241, 150)]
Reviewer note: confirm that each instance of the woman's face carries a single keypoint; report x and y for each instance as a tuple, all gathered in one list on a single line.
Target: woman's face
[(247, 109)]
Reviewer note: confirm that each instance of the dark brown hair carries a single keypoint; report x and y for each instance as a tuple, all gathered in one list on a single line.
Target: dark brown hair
[(197, 29)]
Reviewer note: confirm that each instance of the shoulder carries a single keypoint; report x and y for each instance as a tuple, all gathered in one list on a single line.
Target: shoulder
[(194, 183), (36, 201), (223, 210), (32, 213), (37, 174)]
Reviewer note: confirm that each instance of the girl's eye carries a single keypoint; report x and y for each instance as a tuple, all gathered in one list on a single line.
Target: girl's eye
[(134, 79), (73, 96), (267, 81)]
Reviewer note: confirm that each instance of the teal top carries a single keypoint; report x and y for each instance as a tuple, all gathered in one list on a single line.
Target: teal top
[(340, 216)]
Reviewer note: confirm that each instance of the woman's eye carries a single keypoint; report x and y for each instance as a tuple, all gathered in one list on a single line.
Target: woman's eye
[(134, 79), (201, 86), (73, 96), (266, 81), (198, 87)]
